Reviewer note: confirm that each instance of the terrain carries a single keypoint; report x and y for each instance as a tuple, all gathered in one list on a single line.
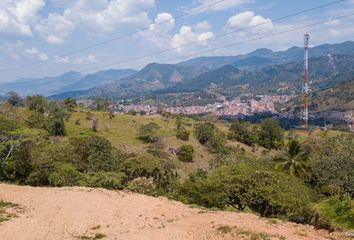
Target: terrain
[(260, 72), (84, 213)]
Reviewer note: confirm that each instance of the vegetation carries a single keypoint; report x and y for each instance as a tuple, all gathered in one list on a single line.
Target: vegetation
[(185, 153), (310, 181)]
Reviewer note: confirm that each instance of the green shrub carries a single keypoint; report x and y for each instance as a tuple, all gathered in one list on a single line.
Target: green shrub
[(267, 193), (108, 180), (209, 135), (337, 212), (185, 153), (148, 132), (143, 185), (65, 175)]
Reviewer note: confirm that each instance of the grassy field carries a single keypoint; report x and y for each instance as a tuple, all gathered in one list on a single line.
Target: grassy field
[(122, 131)]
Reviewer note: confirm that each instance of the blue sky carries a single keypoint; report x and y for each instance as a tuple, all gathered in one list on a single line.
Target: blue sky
[(42, 31)]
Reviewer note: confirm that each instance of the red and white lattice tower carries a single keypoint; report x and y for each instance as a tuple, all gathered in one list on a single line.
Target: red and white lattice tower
[(306, 84)]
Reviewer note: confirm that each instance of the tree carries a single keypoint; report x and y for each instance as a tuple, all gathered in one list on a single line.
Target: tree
[(14, 98), (70, 104), (333, 165), (244, 132), (294, 162), (209, 135), (149, 132), (185, 153), (37, 103), (181, 131), (271, 135)]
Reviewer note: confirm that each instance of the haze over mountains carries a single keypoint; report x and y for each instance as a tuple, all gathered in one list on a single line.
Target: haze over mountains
[(264, 70)]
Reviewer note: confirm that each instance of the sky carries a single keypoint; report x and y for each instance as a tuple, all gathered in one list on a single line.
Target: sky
[(41, 38)]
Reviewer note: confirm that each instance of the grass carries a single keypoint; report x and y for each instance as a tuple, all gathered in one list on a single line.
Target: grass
[(97, 236), (122, 132), (4, 215)]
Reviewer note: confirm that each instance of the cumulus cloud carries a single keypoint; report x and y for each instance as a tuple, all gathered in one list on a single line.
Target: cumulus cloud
[(248, 19), (107, 16), (160, 30), (188, 35), (17, 16), (55, 28), (34, 52), (86, 59), (203, 6)]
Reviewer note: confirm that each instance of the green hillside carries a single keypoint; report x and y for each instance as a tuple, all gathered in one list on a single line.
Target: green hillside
[(339, 97)]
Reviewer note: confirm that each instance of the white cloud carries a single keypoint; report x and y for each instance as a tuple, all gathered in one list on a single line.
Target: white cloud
[(202, 26), (209, 6), (61, 60), (86, 59), (55, 28), (249, 23), (160, 30), (17, 16), (186, 35), (107, 16), (36, 53)]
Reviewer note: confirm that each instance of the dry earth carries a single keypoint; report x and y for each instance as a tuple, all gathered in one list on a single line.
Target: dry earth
[(83, 213)]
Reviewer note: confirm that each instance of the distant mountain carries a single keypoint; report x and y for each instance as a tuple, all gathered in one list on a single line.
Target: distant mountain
[(44, 86), (152, 77), (262, 57), (324, 72), (264, 71), (69, 81)]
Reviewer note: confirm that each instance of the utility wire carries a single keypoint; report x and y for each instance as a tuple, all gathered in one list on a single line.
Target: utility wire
[(216, 37), (251, 40), (116, 38), (174, 48)]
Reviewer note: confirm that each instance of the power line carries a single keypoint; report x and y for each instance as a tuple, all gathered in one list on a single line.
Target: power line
[(252, 39), (173, 48), (118, 37), (216, 37), (261, 37)]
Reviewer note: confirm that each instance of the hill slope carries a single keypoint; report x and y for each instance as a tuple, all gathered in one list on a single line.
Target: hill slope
[(82, 213)]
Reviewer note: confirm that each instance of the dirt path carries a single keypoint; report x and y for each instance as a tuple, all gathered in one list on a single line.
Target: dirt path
[(82, 213)]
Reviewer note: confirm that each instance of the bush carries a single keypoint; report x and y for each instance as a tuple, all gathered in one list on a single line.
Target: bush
[(267, 193), (143, 185), (65, 175), (108, 180), (181, 131), (332, 166), (185, 153), (271, 135), (336, 211), (148, 133), (243, 132), (209, 135)]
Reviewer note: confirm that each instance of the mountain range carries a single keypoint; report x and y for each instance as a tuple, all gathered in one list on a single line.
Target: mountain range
[(262, 72), (70, 81)]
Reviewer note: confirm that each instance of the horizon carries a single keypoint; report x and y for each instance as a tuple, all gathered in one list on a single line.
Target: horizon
[(40, 34), (25, 79)]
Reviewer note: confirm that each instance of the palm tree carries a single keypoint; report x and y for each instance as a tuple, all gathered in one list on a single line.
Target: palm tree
[(294, 161)]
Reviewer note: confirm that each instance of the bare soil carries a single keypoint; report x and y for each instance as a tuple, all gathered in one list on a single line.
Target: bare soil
[(84, 213)]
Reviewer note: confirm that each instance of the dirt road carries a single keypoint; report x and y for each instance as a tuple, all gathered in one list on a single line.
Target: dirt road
[(83, 213)]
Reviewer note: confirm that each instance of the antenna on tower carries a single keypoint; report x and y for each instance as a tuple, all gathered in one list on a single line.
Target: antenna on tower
[(306, 84)]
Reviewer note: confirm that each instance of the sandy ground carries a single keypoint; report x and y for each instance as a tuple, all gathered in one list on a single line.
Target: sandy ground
[(82, 213)]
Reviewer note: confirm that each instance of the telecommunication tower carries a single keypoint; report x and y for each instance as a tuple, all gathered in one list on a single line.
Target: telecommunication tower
[(306, 84)]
